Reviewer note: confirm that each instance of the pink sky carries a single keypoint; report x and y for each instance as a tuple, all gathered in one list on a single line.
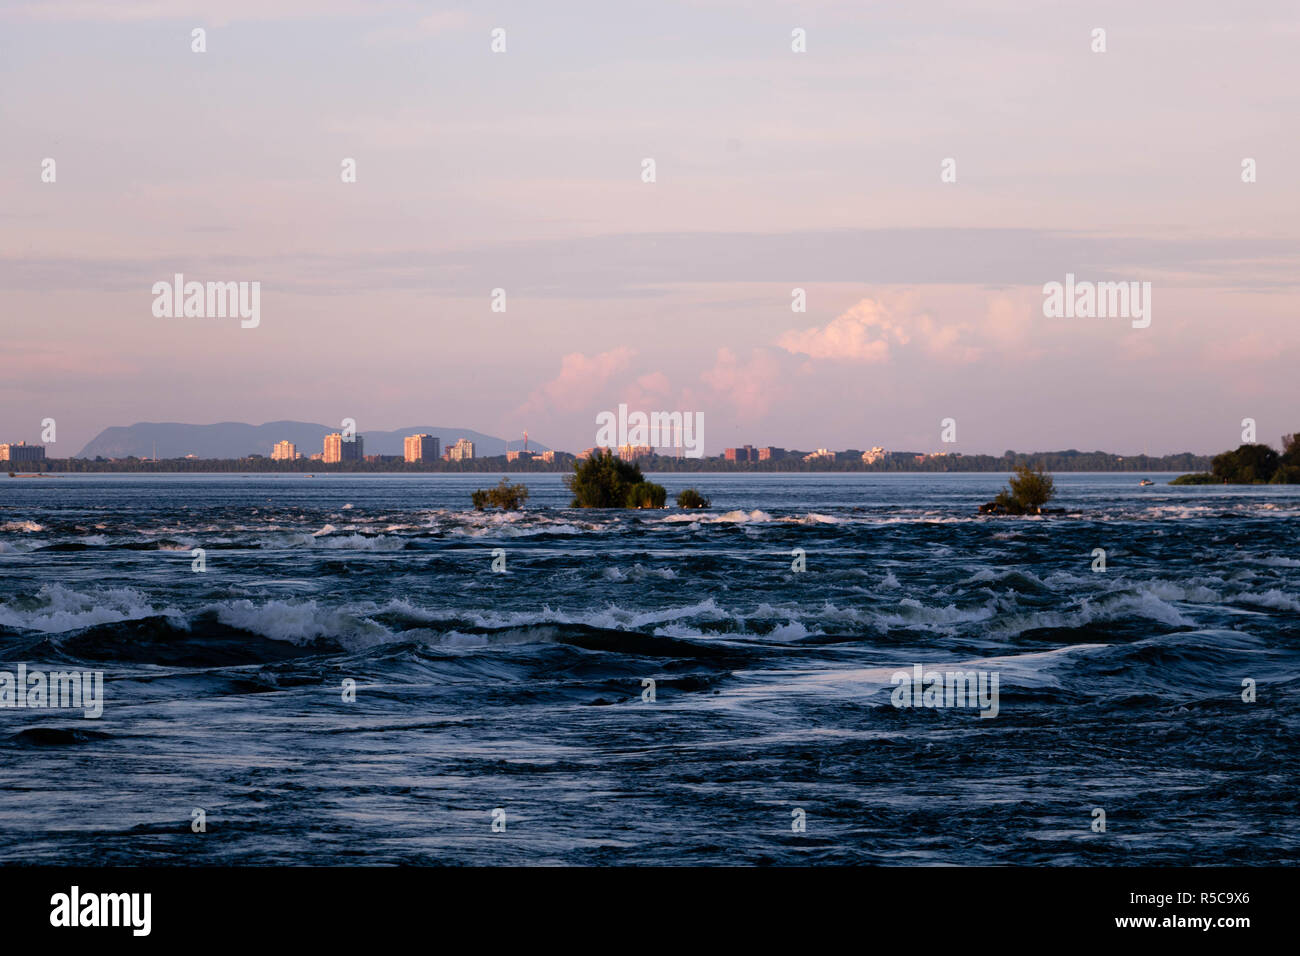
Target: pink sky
[(775, 170)]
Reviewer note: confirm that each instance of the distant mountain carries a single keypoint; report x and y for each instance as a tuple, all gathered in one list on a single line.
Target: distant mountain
[(239, 440)]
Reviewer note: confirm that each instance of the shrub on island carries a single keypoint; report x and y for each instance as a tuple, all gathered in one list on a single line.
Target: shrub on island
[(646, 494), (690, 498), (1028, 491), (505, 496), (603, 481), (1252, 464)]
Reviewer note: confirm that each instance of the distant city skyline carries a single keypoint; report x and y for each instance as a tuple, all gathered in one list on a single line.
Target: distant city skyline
[(885, 181), (423, 447), (334, 450)]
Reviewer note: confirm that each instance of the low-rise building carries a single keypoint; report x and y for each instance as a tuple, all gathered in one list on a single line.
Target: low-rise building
[(21, 451)]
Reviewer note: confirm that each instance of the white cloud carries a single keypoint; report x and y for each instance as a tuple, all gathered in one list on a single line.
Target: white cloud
[(750, 386), (581, 382), (862, 334)]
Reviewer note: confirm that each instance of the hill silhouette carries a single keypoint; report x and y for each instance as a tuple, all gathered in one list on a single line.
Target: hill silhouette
[(238, 439)]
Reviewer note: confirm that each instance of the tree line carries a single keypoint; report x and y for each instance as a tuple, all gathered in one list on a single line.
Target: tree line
[(1057, 461)]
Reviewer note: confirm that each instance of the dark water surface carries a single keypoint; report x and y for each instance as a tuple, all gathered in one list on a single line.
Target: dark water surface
[(523, 690)]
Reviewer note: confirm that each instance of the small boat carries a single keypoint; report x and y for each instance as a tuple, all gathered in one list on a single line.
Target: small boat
[(1146, 481)]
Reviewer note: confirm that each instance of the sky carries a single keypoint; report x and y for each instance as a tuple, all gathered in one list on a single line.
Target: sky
[(774, 170)]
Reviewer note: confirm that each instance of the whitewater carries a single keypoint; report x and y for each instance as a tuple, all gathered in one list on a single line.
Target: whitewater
[(525, 689)]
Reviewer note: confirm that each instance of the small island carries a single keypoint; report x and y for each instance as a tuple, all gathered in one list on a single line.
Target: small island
[(1028, 491), (505, 496), (1251, 465), (604, 481), (690, 498), (600, 481)]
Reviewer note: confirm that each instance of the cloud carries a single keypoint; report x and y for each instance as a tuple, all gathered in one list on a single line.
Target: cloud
[(651, 264), (396, 33), (202, 11), (648, 392), (750, 386), (442, 20), (862, 334), (874, 329), (581, 381)]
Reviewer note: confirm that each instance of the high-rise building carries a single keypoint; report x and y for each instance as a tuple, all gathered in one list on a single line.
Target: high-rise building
[(770, 453), (463, 450), (21, 451), (876, 454), (284, 451), (633, 452), (748, 453), (421, 447), (337, 449)]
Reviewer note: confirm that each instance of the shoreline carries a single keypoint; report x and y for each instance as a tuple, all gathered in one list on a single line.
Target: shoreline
[(528, 472)]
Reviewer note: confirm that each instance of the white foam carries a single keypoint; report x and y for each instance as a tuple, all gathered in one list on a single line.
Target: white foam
[(1272, 598), (299, 622), (59, 608), (24, 526)]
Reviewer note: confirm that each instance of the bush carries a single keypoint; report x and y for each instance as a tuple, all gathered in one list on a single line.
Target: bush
[(1286, 475), (603, 481), (1249, 464), (646, 495), (1291, 450), (1030, 490), (1252, 465), (505, 495), (690, 498)]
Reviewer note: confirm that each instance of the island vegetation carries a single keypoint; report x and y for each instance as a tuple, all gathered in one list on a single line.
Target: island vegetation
[(1254, 464), (793, 461), (690, 498), (505, 496), (1028, 490), (604, 481), (646, 494)]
